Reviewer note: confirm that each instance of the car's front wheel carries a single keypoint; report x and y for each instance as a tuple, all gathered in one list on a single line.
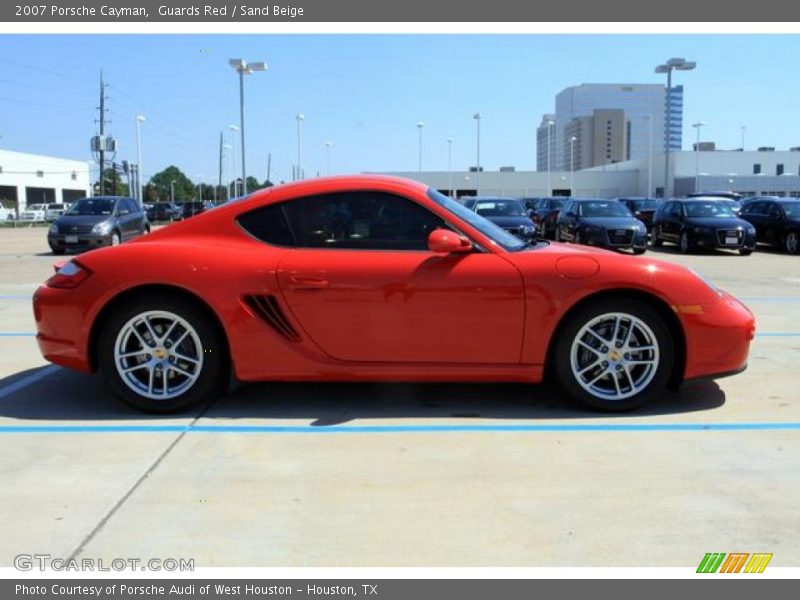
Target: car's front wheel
[(614, 354), (115, 239), (656, 240), (791, 242), (684, 244), (162, 354)]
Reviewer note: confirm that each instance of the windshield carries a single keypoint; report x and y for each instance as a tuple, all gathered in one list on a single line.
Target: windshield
[(499, 208), (792, 209), (603, 209), (501, 237), (708, 209), (92, 206)]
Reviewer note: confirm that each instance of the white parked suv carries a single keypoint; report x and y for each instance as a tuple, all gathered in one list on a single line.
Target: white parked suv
[(53, 211), (34, 213), (6, 214)]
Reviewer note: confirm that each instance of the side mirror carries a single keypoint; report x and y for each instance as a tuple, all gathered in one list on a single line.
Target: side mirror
[(445, 241)]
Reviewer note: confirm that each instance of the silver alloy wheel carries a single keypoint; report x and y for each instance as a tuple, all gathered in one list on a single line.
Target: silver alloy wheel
[(614, 356), (158, 355), (115, 239), (684, 243), (792, 243)]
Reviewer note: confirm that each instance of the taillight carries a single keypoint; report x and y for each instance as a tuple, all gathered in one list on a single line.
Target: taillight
[(70, 275)]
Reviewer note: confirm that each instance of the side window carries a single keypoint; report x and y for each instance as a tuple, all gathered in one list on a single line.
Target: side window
[(775, 211), (132, 206), (268, 224), (677, 210), (361, 220)]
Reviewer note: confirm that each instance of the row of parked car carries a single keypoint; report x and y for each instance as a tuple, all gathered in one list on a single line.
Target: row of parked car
[(110, 220), (716, 220)]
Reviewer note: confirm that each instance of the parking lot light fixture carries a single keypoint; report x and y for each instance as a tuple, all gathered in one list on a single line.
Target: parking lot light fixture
[(243, 68), (699, 125), (172, 191), (572, 141), (328, 145), (139, 120), (477, 116), (450, 166), (420, 127), (673, 64), (300, 117)]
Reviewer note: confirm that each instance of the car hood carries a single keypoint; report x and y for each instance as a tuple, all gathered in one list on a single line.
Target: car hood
[(511, 221), (612, 222), (74, 220), (717, 222)]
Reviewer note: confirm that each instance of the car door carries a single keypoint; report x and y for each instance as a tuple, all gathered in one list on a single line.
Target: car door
[(773, 223), (364, 287), (673, 224)]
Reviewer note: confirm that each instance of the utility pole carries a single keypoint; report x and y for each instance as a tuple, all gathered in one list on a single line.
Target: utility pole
[(269, 167), (102, 134), (219, 183)]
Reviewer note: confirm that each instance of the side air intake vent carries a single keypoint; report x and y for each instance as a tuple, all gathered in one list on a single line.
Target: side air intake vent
[(268, 309)]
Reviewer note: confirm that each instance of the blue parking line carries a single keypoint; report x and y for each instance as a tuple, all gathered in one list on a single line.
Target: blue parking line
[(309, 429), (17, 334)]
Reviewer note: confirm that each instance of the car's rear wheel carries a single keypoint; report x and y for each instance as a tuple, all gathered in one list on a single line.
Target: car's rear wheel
[(115, 239), (639, 250), (162, 354), (791, 242), (745, 251), (614, 355)]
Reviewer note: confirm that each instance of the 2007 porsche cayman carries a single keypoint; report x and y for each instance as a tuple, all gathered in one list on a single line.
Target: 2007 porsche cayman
[(369, 278)]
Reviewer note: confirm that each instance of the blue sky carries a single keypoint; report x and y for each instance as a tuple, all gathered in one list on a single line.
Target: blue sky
[(366, 94)]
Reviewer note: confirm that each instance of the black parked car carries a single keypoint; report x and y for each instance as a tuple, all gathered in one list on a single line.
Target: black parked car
[(777, 221), (642, 208), (163, 211), (544, 212), (694, 223), (603, 223), (190, 209), (95, 222), (508, 213)]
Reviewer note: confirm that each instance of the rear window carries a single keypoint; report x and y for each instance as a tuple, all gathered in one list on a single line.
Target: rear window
[(269, 225)]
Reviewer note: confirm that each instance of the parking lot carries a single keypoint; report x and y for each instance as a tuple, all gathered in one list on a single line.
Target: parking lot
[(405, 475)]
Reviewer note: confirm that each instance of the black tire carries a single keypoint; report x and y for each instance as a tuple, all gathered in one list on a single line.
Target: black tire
[(561, 354), (656, 241), (577, 238), (557, 235), (639, 250), (684, 244), (57, 251), (213, 377), (791, 242), (745, 251)]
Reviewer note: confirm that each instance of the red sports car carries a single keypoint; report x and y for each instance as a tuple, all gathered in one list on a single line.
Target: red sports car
[(368, 278)]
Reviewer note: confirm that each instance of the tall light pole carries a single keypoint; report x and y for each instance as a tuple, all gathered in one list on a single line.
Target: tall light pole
[(572, 165), (649, 119), (450, 166), (673, 64), (550, 123), (228, 195), (697, 126), (328, 145), (744, 128), (420, 126), (300, 117), (233, 129), (477, 117), (172, 191), (243, 69), (139, 120)]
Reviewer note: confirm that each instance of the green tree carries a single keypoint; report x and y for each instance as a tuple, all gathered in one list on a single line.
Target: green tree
[(161, 185), (114, 184)]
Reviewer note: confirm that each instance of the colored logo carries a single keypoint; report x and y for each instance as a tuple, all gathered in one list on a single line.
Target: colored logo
[(735, 562)]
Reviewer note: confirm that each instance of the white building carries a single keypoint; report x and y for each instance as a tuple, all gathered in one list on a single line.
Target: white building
[(644, 107), (32, 178), (749, 173)]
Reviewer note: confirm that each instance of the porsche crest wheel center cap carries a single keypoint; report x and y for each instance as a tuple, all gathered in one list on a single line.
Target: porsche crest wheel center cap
[(614, 355), (160, 353)]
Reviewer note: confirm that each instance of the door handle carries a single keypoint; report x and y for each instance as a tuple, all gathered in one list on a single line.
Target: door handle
[(307, 283)]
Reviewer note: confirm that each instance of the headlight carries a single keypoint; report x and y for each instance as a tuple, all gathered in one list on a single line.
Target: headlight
[(751, 231), (53, 228), (103, 228)]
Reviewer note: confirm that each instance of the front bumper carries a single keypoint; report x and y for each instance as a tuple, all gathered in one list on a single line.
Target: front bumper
[(605, 238), (718, 337), (77, 242), (716, 239)]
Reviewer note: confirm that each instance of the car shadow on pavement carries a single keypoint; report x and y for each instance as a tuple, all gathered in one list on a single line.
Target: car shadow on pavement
[(66, 396)]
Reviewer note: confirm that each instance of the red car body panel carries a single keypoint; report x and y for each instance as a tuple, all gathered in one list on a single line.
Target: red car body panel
[(384, 315)]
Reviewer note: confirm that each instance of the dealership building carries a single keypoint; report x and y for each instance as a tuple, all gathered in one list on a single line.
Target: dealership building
[(758, 172), (27, 179)]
